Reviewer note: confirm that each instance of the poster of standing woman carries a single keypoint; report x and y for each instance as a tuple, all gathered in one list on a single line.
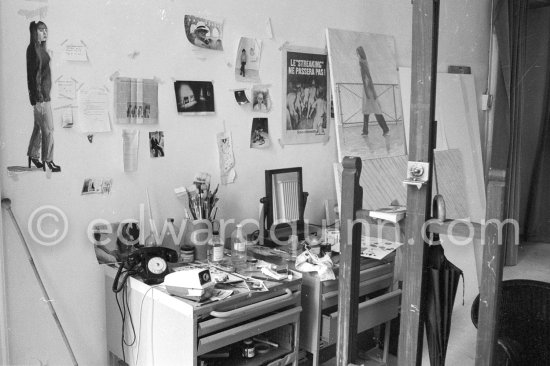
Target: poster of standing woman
[(39, 82), (305, 96)]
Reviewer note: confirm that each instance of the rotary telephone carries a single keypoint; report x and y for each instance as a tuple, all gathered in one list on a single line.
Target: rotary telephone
[(149, 263)]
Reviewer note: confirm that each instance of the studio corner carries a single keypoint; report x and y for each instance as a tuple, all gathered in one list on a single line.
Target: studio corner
[(270, 183)]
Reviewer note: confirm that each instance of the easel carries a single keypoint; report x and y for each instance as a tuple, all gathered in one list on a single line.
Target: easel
[(423, 81)]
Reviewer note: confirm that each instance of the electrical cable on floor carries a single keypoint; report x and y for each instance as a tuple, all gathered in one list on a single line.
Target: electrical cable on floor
[(140, 317), (130, 316), (122, 310)]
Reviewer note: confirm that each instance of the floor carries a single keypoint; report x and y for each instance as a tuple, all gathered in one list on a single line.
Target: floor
[(533, 263)]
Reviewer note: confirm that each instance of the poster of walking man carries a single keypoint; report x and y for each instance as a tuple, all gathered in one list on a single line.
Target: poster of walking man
[(305, 97)]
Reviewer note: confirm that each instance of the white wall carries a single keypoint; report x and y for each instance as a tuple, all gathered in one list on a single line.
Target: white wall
[(112, 30)]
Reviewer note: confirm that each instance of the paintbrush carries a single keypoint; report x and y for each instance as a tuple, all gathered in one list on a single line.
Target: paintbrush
[(182, 193), (193, 201)]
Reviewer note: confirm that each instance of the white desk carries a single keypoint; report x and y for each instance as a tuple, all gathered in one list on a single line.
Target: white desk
[(174, 331)]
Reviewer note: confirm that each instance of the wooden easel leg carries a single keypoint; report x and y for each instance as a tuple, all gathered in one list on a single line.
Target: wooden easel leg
[(387, 329)]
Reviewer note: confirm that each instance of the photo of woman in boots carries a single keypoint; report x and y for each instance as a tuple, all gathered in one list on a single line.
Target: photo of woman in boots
[(370, 102), (39, 82)]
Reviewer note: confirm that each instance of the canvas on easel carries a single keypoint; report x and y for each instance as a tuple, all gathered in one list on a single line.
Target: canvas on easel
[(368, 111), (367, 98)]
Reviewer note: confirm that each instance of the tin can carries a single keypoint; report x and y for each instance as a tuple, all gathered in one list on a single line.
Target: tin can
[(187, 254), (248, 349)]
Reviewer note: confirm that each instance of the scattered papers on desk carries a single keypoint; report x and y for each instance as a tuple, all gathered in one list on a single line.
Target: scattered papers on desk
[(271, 273), (309, 262), (377, 248), (256, 285), (219, 294)]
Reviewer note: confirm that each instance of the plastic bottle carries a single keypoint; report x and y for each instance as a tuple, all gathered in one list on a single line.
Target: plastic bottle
[(150, 240), (168, 240), (238, 248), (216, 248)]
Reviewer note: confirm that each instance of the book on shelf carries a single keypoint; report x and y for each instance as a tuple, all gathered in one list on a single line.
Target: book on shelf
[(391, 213)]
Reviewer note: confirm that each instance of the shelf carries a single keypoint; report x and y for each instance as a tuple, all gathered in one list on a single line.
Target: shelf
[(237, 360), (457, 228)]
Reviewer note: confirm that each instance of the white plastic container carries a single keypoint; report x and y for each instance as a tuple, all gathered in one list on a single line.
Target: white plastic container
[(168, 240)]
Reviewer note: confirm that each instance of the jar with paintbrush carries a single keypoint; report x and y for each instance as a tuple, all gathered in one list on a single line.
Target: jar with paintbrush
[(200, 208)]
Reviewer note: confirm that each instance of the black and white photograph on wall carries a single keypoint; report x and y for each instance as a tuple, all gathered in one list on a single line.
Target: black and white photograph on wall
[(261, 98), (114, 242), (156, 144), (305, 86), (195, 97), (203, 33), (259, 136), (240, 97), (247, 62), (97, 186), (136, 101)]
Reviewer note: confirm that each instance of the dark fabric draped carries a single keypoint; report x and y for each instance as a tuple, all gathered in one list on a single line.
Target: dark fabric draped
[(510, 24), (537, 223)]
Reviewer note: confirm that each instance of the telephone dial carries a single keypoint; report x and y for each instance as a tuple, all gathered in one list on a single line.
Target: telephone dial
[(149, 263)]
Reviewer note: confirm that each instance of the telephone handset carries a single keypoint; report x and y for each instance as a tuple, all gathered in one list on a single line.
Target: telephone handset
[(149, 263)]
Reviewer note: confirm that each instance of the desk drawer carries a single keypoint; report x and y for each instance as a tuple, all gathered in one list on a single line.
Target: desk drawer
[(331, 298), (222, 320), (371, 313), (247, 330), (365, 275)]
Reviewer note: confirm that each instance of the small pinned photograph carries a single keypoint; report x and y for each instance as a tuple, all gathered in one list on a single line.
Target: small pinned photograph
[(194, 97), (156, 144), (97, 186), (247, 63), (262, 98), (259, 137), (203, 33), (240, 97)]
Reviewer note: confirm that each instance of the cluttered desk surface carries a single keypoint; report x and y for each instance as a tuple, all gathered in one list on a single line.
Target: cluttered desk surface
[(268, 272)]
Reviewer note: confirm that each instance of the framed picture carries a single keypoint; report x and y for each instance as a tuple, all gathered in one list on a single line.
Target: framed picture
[(305, 96), (194, 97)]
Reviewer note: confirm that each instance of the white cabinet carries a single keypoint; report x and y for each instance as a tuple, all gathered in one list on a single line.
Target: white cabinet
[(160, 329)]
